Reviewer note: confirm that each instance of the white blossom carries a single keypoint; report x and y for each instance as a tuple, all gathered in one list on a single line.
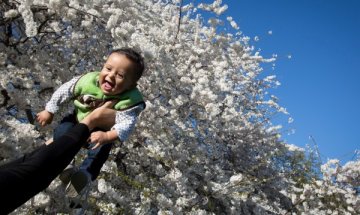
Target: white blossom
[(205, 144), (11, 13), (31, 26)]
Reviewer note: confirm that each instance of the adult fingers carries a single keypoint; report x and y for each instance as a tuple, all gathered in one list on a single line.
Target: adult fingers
[(109, 104), (96, 146)]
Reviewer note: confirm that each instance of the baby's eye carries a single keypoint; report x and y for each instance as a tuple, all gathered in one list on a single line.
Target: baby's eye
[(108, 68), (120, 75)]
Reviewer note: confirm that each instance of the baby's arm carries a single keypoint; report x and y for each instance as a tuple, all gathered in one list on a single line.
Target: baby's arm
[(124, 124), (62, 94)]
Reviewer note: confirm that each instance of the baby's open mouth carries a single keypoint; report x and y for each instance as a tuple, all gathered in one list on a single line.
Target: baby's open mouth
[(108, 85)]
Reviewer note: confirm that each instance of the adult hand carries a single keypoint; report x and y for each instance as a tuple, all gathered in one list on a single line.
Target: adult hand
[(102, 117)]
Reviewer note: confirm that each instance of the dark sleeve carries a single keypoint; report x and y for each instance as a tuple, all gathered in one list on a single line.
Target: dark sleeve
[(23, 178)]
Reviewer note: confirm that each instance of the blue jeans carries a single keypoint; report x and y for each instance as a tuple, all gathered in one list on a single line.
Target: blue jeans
[(95, 158)]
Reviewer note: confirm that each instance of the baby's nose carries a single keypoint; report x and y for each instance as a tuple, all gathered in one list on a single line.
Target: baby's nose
[(112, 73)]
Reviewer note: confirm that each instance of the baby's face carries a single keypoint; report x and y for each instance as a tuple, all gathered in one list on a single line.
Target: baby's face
[(117, 75)]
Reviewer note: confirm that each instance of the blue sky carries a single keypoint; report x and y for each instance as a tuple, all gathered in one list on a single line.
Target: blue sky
[(320, 83)]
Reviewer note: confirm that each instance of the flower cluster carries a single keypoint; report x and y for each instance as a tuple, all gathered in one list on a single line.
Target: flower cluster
[(205, 143)]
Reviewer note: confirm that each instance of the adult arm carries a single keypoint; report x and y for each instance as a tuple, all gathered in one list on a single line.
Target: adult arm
[(25, 177)]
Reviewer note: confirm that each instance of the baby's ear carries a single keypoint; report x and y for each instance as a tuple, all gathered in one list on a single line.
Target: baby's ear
[(133, 85)]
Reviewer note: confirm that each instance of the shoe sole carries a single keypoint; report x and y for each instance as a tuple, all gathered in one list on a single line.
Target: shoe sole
[(79, 181), (65, 176)]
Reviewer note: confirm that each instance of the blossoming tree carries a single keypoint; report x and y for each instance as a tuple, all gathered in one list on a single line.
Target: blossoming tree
[(205, 143)]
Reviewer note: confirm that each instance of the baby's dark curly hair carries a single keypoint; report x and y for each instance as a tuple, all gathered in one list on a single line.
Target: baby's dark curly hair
[(135, 57)]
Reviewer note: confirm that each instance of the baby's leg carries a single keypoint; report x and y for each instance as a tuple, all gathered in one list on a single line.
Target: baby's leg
[(96, 159), (90, 167), (66, 124)]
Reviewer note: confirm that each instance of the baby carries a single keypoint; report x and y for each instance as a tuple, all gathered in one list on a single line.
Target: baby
[(116, 81)]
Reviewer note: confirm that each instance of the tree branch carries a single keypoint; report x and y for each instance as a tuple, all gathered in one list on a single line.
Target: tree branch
[(6, 96), (29, 116), (86, 13), (179, 21), (46, 89)]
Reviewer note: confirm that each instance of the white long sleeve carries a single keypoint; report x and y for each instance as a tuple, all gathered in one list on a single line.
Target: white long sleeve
[(125, 121), (62, 94)]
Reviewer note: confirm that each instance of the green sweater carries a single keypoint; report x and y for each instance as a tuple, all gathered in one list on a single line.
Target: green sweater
[(88, 96)]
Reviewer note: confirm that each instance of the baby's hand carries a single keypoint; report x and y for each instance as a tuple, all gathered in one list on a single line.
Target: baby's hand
[(99, 138), (44, 117)]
